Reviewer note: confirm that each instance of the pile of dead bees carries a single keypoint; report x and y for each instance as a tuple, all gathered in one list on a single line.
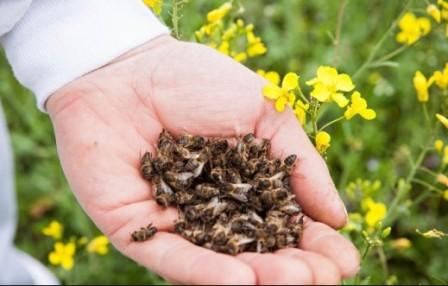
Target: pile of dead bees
[(230, 199)]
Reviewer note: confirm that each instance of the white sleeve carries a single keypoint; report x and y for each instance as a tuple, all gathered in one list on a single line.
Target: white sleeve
[(55, 41)]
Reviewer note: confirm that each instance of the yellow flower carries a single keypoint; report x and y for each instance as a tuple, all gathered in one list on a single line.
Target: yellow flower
[(442, 179), (54, 229), (421, 85), (412, 28), (434, 12), (359, 106), (441, 77), (239, 57), (401, 243), (433, 233), (328, 83), (323, 140), (256, 46), (438, 145), (282, 95), (445, 156), (155, 5), (218, 14), (445, 195), (83, 240), (376, 212), (224, 48), (445, 14), (63, 255), (354, 222), (442, 119), (300, 109), (229, 33), (99, 245), (271, 76), (443, 3), (256, 49)]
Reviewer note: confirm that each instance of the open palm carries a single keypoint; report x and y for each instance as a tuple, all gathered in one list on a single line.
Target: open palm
[(105, 120)]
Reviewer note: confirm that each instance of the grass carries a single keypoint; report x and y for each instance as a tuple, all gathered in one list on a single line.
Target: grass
[(300, 36)]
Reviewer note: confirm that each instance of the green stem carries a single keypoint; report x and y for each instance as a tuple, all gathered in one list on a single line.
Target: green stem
[(383, 260), (331, 123), (176, 6), (405, 187), (392, 54), (364, 255), (427, 118), (380, 43), (426, 170), (302, 96), (427, 185), (336, 42)]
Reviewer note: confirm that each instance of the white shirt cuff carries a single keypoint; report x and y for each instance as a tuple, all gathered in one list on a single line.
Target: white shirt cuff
[(58, 41)]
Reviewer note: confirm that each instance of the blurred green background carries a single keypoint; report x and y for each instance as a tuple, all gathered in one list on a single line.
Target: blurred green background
[(299, 35)]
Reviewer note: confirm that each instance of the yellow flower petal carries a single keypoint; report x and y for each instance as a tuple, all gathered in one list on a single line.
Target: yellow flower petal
[(434, 12), (59, 247), (323, 140), (217, 14), (54, 258), (280, 103), (344, 83), (442, 119), (368, 114), (67, 263), (272, 91), (445, 195), (438, 145), (273, 77), (421, 85), (425, 25), (340, 100), (327, 75), (290, 81), (70, 248), (321, 92)]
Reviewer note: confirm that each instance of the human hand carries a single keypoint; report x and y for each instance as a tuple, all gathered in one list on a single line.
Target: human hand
[(106, 119)]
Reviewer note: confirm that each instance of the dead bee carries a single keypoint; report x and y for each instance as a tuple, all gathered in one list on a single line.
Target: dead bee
[(237, 191), (288, 163), (144, 233), (165, 139), (236, 244), (191, 142), (178, 181), (164, 195), (218, 146), (146, 166), (184, 198), (206, 191), (241, 224), (271, 182), (248, 138), (196, 164), (275, 220), (233, 176), (218, 175), (220, 234), (162, 163), (290, 208), (271, 197)]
